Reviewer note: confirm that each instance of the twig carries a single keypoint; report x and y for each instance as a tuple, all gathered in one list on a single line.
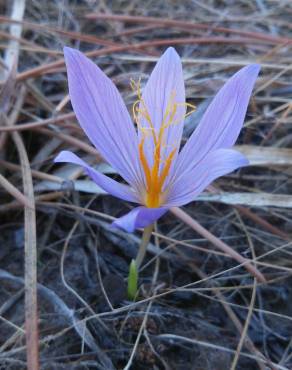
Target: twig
[(178, 212), (14, 191), (57, 65), (70, 140), (31, 315), (217, 347), (184, 24), (12, 50), (251, 306), (226, 305), (144, 322), (260, 221)]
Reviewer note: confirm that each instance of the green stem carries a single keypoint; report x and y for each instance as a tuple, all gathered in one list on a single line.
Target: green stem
[(132, 281), (143, 246), (135, 264)]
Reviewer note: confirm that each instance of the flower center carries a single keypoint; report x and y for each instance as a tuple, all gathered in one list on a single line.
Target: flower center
[(155, 177), (156, 174)]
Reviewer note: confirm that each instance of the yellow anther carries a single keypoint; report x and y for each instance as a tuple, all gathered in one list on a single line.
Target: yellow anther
[(140, 111)]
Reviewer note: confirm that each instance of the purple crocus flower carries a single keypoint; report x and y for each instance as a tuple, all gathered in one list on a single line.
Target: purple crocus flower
[(159, 176)]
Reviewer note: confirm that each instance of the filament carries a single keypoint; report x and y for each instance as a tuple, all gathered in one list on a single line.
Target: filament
[(156, 174)]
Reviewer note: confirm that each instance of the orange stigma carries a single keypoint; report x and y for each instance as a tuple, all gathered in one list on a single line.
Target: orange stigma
[(155, 175)]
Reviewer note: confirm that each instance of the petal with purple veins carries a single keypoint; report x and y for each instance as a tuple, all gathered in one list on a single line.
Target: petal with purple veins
[(217, 163), (164, 88), (139, 217), (223, 120), (109, 185), (103, 115)]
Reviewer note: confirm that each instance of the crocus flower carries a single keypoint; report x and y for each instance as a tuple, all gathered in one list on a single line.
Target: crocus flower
[(158, 174)]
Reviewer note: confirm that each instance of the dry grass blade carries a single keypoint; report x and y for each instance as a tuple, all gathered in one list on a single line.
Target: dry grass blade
[(217, 347), (249, 199), (14, 192), (12, 50), (130, 361), (137, 47), (183, 216), (266, 156), (186, 25), (230, 312), (250, 309), (31, 314), (31, 125)]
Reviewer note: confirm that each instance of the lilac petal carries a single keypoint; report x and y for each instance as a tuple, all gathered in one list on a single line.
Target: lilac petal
[(217, 163), (110, 186), (165, 80), (103, 115), (139, 217), (222, 122)]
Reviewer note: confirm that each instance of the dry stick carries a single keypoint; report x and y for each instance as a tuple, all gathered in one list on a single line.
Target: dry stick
[(71, 34), (186, 25), (14, 191), (31, 318), (251, 306), (178, 212), (62, 262), (143, 325), (227, 308), (105, 359), (64, 281), (44, 122), (217, 347), (254, 217), (64, 252), (44, 200), (161, 22), (53, 67), (272, 113), (35, 173), (45, 197), (134, 31), (70, 140), (11, 52), (248, 342), (192, 285), (264, 223), (31, 315), (21, 40), (276, 125)]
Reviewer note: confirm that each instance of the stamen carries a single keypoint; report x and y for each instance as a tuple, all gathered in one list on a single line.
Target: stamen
[(139, 110), (166, 168), (187, 105), (145, 164), (155, 175)]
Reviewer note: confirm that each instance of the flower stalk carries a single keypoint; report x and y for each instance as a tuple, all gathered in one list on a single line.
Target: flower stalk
[(135, 264), (132, 281), (143, 246)]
